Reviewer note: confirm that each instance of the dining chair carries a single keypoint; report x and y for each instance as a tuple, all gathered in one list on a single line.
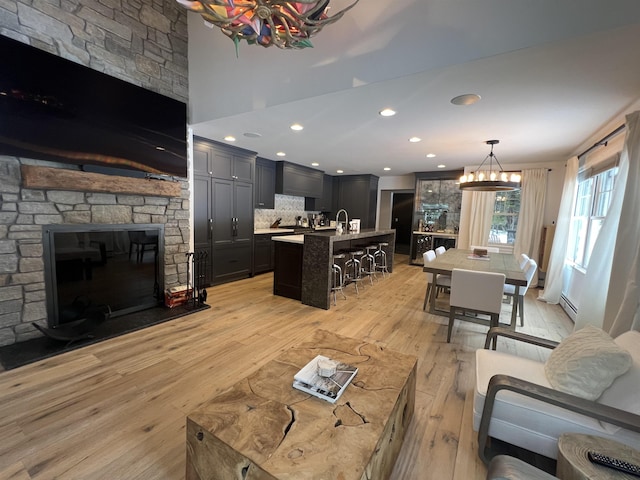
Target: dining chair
[(475, 292), (441, 281), (510, 290), (524, 259), (488, 249), (440, 250)]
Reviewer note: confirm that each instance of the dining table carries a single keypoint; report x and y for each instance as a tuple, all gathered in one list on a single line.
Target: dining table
[(505, 263)]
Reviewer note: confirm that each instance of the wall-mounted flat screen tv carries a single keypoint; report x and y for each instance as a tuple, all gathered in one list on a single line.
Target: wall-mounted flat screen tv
[(57, 110)]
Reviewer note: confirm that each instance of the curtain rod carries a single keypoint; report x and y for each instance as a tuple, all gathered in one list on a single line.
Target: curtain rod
[(603, 140)]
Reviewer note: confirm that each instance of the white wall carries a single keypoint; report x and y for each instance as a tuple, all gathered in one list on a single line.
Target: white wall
[(386, 187)]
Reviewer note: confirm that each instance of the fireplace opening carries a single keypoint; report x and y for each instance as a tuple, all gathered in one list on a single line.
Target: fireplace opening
[(102, 268)]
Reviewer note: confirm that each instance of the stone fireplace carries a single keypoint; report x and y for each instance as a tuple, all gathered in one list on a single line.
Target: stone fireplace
[(28, 216)]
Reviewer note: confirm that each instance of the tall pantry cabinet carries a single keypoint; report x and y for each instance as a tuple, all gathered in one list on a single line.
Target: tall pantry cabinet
[(223, 179)]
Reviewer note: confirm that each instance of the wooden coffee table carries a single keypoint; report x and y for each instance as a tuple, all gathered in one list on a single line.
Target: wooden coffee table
[(264, 429)]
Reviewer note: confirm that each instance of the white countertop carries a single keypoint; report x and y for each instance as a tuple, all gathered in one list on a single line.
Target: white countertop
[(289, 239), (262, 231)]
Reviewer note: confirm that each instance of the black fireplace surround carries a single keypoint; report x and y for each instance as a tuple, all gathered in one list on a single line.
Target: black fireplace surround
[(98, 267)]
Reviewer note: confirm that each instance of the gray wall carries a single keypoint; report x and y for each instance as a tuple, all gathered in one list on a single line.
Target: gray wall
[(142, 42)]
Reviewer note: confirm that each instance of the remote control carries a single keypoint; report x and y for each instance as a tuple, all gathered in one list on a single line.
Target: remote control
[(616, 463)]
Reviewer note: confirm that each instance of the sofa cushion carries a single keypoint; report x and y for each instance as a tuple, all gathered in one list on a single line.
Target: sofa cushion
[(586, 363), (624, 392)]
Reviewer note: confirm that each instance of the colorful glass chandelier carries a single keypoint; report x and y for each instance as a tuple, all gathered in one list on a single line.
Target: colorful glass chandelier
[(282, 23)]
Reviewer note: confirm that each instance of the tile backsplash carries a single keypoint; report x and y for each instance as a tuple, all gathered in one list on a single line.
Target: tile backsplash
[(287, 207)]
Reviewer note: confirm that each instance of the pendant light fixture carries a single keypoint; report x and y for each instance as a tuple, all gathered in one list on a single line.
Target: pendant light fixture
[(488, 179)]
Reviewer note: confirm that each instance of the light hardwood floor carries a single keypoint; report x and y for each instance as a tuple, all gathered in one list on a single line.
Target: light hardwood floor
[(116, 410)]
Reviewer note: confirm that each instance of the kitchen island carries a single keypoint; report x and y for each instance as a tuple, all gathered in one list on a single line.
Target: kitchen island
[(316, 251), (287, 266)]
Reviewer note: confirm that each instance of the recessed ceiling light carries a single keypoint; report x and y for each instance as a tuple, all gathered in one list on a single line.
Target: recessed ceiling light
[(466, 99), (281, 154), (387, 112), (386, 169), (252, 135), (431, 155), (339, 171), (296, 127), (415, 139), (230, 138), (160, 148), (442, 166), (315, 164)]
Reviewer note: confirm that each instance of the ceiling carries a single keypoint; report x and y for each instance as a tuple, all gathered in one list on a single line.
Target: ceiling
[(551, 75)]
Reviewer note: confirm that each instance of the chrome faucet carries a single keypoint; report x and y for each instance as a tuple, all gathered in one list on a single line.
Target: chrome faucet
[(346, 217)]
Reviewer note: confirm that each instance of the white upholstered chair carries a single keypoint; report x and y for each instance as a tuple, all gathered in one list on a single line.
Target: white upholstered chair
[(524, 258), (476, 292), (514, 400), (441, 281), (510, 290), (440, 250)]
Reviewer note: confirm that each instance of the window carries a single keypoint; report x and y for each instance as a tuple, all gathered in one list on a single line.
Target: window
[(505, 218), (593, 198)]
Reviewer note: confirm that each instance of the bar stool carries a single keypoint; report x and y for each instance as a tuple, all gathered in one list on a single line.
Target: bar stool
[(368, 263), (380, 257), (337, 278), (352, 270)]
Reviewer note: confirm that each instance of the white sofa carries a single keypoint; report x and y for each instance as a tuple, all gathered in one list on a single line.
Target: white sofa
[(524, 410)]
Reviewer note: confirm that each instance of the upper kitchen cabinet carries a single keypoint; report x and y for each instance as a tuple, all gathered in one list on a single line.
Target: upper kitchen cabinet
[(222, 161), (299, 181), (324, 203), (358, 195), (265, 184)]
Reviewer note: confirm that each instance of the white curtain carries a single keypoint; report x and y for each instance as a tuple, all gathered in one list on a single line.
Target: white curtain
[(553, 283), (531, 216), (475, 218), (611, 291), (625, 291)]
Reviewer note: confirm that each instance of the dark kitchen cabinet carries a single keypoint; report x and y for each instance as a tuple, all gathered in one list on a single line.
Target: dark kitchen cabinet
[(202, 219), (324, 203), (222, 161), (299, 181), (264, 252), (358, 195), (223, 218), (265, 184)]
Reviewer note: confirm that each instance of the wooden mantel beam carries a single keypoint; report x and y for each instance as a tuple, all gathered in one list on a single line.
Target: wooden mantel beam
[(34, 176)]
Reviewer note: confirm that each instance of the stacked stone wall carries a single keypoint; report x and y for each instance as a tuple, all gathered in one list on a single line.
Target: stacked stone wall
[(142, 42)]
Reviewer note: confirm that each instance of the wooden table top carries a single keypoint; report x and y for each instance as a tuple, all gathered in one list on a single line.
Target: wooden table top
[(269, 430), (573, 463), (497, 263)]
